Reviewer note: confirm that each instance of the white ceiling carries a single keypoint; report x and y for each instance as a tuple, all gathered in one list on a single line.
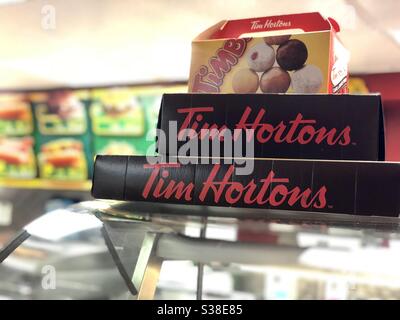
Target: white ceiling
[(117, 41)]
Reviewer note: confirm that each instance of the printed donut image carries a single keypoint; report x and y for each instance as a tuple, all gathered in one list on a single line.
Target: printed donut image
[(275, 80), (292, 55), (276, 40), (245, 81), (307, 79), (261, 57)]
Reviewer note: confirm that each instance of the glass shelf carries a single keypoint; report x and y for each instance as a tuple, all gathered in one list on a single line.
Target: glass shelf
[(150, 250)]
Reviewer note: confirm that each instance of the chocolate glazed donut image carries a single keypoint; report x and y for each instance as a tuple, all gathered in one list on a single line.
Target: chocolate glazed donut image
[(292, 55), (277, 40)]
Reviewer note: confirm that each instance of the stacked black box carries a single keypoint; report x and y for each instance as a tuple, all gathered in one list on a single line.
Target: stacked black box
[(318, 153)]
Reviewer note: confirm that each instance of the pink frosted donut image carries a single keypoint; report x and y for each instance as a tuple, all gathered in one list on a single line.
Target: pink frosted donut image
[(260, 57)]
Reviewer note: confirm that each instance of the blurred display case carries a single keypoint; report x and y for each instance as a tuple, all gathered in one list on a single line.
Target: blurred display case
[(117, 250)]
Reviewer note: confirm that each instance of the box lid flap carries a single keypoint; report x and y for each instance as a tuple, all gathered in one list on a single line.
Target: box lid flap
[(306, 22)]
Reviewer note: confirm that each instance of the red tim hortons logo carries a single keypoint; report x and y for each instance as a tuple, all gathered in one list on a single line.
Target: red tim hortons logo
[(297, 130), (209, 78), (259, 191)]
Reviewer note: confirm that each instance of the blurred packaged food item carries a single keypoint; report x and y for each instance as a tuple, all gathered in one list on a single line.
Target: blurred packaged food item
[(17, 158), (63, 158), (124, 120), (56, 133), (61, 112), (62, 134), (15, 115), (114, 146), (116, 111)]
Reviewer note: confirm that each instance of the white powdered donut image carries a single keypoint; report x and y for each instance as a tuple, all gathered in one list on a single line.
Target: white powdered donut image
[(261, 57), (307, 79)]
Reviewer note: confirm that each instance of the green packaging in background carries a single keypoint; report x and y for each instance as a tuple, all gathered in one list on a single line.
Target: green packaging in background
[(55, 134), (123, 121), (117, 146), (116, 112)]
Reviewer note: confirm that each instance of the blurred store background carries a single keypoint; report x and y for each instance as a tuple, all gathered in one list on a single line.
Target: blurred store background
[(80, 78)]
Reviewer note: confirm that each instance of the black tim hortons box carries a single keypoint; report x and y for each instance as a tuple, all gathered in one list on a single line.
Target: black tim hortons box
[(337, 127), (360, 188)]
